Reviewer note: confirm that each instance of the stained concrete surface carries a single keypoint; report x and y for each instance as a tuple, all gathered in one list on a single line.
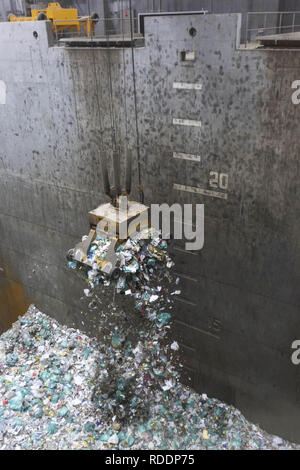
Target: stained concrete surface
[(13, 303), (239, 309)]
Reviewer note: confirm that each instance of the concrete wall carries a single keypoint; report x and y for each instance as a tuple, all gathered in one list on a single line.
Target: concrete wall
[(239, 309)]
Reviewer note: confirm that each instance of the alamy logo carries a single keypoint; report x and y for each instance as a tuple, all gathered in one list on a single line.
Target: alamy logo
[(162, 216), (177, 222), (296, 94), (2, 92), (295, 358)]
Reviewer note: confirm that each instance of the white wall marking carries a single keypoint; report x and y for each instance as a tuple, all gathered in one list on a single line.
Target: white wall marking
[(187, 86), (187, 156), (218, 180), (186, 122), (2, 92), (203, 192)]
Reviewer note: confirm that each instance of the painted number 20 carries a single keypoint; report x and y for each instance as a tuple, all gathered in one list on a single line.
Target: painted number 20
[(218, 180)]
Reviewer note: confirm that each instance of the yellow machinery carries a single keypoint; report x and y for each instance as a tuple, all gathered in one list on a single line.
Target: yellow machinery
[(62, 19)]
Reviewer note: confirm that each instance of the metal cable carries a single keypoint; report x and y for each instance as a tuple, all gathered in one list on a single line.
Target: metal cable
[(128, 165), (116, 150), (112, 117), (124, 83), (135, 106), (102, 157)]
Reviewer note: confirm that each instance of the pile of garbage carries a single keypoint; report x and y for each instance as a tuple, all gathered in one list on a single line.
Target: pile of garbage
[(48, 377), (61, 389)]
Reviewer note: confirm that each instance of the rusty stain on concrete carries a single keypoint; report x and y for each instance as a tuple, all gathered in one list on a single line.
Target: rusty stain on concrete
[(13, 303)]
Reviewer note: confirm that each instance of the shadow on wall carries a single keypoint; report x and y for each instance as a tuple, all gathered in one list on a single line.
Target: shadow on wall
[(13, 302)]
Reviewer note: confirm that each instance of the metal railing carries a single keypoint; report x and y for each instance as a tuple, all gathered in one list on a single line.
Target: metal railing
[(260, 24), (84, 27)]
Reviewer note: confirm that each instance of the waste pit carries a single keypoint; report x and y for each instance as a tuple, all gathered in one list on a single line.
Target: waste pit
[(61, 389)]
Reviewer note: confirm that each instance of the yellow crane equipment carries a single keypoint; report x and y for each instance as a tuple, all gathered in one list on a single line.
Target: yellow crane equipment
[(61, 19)]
